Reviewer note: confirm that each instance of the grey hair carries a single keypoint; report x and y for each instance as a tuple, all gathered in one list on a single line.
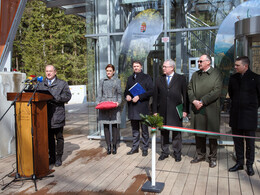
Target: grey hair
[(208, 57), (52, 66), (171, 62)]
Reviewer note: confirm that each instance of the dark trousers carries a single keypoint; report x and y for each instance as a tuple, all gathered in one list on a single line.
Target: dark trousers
[(201, 147), (58, 134), (239, 146), (176, 142), (108, 136), (136, 135)]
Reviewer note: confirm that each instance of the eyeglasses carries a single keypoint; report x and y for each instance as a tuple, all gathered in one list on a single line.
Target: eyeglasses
[(166, 66), (200, 61)]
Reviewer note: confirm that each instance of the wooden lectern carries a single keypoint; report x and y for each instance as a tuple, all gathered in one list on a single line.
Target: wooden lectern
[(31, 134)]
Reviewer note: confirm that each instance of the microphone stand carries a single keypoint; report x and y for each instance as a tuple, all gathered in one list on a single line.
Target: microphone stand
[(15, 99), (30, 101), (34, 177)]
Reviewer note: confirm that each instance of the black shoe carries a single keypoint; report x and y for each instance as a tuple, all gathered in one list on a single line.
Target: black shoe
[(250, 171), (109, 149), (236, 167), (197, 160), (51, 161), (178, 159), (162, 157), (133, 151), (212, 163), (144, 153), (114, 149), (58, 162)]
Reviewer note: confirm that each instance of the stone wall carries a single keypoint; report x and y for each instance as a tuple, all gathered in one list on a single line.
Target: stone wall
[(9, 82)]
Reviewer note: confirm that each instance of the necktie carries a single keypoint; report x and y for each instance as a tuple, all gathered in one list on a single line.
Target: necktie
[(168, 80), (49, 82)]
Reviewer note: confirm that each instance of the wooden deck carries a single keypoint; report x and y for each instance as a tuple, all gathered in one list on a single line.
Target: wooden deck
[(87, 169)]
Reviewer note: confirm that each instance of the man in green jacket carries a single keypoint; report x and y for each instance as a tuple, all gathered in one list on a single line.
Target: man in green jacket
[(204, 92)]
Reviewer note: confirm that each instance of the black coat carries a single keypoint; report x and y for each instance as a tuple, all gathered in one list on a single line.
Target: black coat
[(142, 106), (244, 93), (60, 91), (166, 98)]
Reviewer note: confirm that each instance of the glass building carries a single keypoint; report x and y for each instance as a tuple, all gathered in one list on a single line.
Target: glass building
[(187, 29)]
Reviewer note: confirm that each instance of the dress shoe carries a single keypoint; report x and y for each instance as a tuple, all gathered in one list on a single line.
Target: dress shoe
[(250, 171), (58, 162), (144, 153), (162, 157), (212, 163), (132, 151), (177, 157), (197, 160), (109, 149), (236, 167), (114, 149)]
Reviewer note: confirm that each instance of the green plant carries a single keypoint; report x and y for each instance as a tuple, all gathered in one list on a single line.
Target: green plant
[(154, 121)]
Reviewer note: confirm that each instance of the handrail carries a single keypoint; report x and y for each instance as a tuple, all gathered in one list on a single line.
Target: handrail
[(198, 23)]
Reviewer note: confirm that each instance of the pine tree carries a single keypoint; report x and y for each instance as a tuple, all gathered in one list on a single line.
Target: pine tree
[(48, 36)]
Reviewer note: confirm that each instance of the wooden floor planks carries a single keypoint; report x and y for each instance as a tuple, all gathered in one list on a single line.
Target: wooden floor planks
[(88, 169)]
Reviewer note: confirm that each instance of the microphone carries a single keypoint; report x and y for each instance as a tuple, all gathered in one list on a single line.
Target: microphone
[(33, 82), (35, 85), (38, 79), (27, 80), (34, 79)]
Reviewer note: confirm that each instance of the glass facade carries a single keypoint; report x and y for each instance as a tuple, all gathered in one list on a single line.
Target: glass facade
[(190, 26)]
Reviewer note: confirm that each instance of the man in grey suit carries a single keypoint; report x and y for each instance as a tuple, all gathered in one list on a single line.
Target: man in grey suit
[(170, 91)]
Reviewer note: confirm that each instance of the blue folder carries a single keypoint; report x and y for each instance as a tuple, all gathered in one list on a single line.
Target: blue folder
[(136, 89)]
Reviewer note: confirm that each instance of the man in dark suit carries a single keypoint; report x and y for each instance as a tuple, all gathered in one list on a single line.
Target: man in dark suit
[(138, 105), (244, 92), (170, 90), (60, 91)]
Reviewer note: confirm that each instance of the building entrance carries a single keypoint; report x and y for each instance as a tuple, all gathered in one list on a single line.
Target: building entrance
[(247, 41)]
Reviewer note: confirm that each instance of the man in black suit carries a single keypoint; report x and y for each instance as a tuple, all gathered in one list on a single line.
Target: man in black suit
[(244, 92), (137, 105), (170, 90)]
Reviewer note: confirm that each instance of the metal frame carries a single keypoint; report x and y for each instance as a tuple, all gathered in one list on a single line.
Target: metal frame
[(9, 42)]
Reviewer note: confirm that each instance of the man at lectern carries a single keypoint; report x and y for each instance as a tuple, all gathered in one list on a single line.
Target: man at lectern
[(60, 91)]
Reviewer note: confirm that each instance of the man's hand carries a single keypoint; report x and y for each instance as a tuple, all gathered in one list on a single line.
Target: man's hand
[(184, 114), (198, 104), (135, 99), (128, 98)]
